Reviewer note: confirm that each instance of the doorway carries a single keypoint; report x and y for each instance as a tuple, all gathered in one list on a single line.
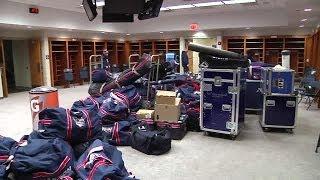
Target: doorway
[(22, 64)]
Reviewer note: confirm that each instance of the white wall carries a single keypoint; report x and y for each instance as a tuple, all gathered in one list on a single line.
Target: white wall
[(21, 63)]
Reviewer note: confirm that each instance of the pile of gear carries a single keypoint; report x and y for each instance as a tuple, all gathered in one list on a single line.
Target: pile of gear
[(79, 143)]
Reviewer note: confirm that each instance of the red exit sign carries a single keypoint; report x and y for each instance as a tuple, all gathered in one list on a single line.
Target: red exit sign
[(34, 10), (194, 26)]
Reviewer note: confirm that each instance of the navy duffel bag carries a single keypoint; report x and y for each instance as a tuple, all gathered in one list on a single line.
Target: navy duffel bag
[(114, 108), (148, 141), (6, 144), (102, 161), (75, 126), (133, 95), (41, 159), (118, 134), (101, 76)]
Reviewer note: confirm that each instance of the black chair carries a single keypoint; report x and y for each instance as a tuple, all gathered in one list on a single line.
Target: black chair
[(84, 73), (68, 76), (312, 93)]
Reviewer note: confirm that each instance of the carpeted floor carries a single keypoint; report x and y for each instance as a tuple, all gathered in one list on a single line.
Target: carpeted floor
[(254, 155)]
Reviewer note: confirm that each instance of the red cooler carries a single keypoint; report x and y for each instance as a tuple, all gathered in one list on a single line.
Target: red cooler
[(41, 98)]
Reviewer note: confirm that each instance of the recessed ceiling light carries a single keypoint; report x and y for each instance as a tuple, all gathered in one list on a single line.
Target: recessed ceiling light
[(303, 20), (103, 32), (29, 27), (186, 6), (74, 39), (239, 1), (208, 4), (307, 10), (248, 28), (128, 34), (301, 26), (161, 32)]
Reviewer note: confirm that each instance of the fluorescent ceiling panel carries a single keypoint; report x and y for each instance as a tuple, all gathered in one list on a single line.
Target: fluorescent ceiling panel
[(186, 6), (100, 3), (239, 1), (164, 9), (208, 4)]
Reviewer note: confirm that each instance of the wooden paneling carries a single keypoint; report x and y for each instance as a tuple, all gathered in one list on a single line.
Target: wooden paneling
[(35, 63)]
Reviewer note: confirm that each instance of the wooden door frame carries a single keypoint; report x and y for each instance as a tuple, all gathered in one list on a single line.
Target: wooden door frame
[(4, 75)]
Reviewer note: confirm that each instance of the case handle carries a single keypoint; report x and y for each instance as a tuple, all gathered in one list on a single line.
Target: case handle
[(226, 107), (271, 103), (207, 106), (291, 104)]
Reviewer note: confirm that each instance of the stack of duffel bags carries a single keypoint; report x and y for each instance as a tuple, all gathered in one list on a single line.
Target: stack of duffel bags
[(50, 152)]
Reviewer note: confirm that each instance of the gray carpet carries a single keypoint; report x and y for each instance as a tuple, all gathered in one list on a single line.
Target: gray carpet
[(254, 155)]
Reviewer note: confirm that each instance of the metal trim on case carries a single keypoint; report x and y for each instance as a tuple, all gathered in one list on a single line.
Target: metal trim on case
[(233, 90)]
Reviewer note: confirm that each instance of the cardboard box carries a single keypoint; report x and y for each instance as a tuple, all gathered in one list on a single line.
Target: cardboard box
[(168, 113), (145, 114), (166, 97)]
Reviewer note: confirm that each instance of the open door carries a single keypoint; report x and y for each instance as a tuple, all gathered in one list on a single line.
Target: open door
[(35, 63)]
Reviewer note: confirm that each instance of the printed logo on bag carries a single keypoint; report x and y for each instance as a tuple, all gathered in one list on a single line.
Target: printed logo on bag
[(79, 121), (107, 129)]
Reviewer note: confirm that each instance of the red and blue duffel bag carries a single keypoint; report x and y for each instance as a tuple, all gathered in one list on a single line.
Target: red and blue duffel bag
[(102, 161), (41, 159), (114, 108), (75, 126), (118, 134), (133, 95), (6, 144)]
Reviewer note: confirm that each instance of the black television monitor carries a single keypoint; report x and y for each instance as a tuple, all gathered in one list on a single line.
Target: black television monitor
[(90, 8), (151, 9), (124, 6), (107, 17)]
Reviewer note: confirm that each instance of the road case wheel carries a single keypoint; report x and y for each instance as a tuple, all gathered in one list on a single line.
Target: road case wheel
[(206, 133), (233, 137), (290, 131), (265, 129)]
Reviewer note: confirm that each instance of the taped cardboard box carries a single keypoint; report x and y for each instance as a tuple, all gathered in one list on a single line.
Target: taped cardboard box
[(145, 114), (166, 97), (168, 113)]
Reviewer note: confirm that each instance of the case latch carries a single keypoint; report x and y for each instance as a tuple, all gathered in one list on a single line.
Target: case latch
[(207, 106), (280, 83), (226, 107), (207, 87), (230, 125), (291, 104), (271, 103), (217, 81), (233, 90)]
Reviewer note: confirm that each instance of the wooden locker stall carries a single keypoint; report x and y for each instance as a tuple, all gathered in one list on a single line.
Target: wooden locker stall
[(75, 59), (59, 61)]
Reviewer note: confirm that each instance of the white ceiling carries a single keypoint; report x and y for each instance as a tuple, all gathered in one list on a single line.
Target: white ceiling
[(291, 9)]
